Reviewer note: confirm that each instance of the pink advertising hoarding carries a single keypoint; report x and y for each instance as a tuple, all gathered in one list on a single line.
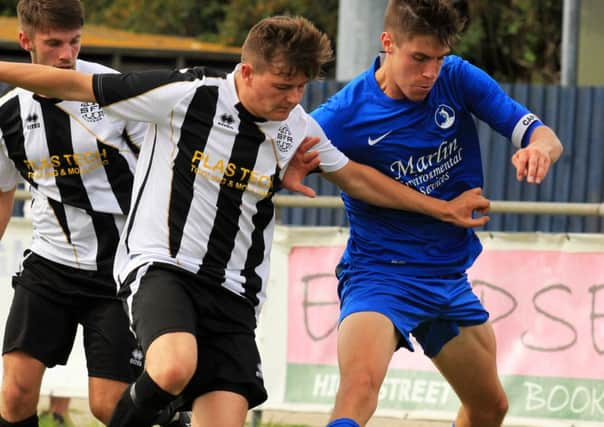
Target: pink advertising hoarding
[(547, 309)]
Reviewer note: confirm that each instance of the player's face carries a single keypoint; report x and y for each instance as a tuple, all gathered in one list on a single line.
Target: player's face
[(57, 48), (412, 66), (273, 95)]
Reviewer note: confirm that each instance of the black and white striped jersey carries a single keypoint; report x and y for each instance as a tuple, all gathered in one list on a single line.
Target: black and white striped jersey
[(206, 174), (79, 164)]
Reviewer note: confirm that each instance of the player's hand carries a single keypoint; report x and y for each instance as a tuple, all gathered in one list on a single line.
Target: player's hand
[(469, 209), (534, 161), (300, 165)]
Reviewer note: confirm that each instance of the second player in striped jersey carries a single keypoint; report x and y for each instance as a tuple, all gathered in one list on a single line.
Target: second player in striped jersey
[(79, 164)]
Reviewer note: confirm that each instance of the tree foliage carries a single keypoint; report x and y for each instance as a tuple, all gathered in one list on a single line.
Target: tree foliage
[(7, 8), (241, 15), (513, 40), (226, 21), (174, 17)]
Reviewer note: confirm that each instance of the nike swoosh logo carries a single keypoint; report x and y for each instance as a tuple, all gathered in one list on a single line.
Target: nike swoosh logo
[(372, 141)]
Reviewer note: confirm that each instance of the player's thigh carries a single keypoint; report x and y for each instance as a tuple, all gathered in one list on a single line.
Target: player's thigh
[(38, 325), (168, 340), (228, 356), (468, 362), (160, 290), (112, 352), (220, 408), (366, 342), (21, 372)]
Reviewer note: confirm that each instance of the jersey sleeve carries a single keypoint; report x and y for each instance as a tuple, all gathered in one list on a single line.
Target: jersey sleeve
[(331, 158), (147, 96), (9, 176), (136, 132), (491, 104), (326, 116), (302, 125)]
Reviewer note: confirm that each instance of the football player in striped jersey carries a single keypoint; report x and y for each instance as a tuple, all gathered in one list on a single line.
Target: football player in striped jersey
[(79, 165), (194, 255)]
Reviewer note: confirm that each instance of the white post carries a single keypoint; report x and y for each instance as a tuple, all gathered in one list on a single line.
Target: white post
[(360, 23), (570, 42)]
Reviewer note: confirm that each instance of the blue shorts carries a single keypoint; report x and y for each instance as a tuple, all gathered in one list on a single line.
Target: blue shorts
[(430, 308)]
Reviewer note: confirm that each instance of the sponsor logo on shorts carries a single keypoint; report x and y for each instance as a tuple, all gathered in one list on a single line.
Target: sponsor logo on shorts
[(259, 371), (137, 358)]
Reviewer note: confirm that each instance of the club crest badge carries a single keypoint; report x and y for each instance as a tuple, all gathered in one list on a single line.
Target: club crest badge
[(444, 116), (91, 112), (284, 139)]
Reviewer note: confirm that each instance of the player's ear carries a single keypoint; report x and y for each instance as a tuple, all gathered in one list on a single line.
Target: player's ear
[(25, 41), (387, 42), (246, 71)]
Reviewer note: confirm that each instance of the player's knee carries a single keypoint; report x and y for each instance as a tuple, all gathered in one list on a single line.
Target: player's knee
[(500, 408), (102, 408), (491, 414), (174, 376), (19, 401), (361, 388)]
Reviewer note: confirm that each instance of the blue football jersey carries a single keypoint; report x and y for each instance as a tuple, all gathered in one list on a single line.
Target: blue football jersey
[(431, 146)]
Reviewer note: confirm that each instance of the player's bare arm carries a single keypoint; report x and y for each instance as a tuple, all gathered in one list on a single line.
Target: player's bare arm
[(368, 184), (533, 162), (48, 81), (6, 208)]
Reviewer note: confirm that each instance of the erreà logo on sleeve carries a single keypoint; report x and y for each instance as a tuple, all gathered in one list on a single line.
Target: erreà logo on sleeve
[(32, 121)]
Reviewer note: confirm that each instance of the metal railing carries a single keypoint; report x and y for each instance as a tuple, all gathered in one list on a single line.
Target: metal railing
[(497, 206)]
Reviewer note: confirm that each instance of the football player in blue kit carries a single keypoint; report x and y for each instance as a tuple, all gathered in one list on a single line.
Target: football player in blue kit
[(410, 115)]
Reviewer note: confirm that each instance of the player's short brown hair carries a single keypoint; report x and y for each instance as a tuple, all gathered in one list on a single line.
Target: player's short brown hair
[(291, 44), (439, 18), (44, 15)]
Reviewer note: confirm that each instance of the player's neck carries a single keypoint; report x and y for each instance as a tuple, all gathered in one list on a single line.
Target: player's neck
[(387, 85), (240, 89), (243, 93)]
